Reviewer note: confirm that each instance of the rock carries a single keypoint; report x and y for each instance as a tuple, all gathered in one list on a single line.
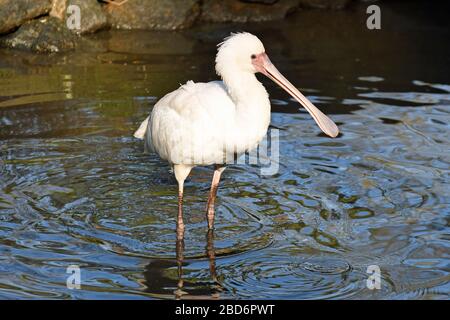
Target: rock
[(325, 4), (14, 13), (153, 14), (59, 8), (47, 34), (260, 1), (92, 17), (239, 11)]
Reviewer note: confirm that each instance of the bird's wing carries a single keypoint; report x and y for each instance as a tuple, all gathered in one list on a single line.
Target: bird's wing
[(194, 117), (210, 97), (191, 96)]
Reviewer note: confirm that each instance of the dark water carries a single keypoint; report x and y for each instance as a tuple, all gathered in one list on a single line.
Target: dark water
[(76, 188)]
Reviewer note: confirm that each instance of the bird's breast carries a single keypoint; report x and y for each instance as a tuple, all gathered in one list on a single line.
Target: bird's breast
[(200, 124), (251, 124)]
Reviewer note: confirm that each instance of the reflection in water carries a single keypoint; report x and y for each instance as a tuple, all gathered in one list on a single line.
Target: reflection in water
[(179, 252), (76, 188), (211, 255), (157, 283)]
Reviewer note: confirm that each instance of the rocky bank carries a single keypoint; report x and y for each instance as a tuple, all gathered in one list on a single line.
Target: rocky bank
[(59, 25)]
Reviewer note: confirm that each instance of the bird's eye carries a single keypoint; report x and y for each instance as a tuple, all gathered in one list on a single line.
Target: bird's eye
[(253, 56)]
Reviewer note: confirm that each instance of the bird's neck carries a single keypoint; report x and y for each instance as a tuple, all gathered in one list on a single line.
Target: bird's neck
[(252, 113), (244, 89)]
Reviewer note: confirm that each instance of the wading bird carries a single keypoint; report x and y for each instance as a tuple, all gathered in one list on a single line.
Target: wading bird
[(202, 124)]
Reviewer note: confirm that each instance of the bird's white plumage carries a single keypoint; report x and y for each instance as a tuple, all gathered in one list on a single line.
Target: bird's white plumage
[(207, 123)]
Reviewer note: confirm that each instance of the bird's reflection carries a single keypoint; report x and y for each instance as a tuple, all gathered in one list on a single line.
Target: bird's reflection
[(159, 283), (179, 247), (210, 253)]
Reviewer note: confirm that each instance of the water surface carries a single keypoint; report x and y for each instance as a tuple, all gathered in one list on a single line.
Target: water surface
[(77, 189)]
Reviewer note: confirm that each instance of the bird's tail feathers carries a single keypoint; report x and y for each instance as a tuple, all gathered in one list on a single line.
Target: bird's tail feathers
[(140, 132)]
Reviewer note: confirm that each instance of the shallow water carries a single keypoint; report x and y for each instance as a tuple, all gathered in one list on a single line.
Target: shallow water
[(77, 189)]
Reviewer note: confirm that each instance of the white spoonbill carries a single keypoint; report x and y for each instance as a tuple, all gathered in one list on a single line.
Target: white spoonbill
[(202, 124)]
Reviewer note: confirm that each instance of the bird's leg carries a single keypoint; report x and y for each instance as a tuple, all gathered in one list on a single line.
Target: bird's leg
[(212, 196), (180, 223), (181, 173), (180, 245)]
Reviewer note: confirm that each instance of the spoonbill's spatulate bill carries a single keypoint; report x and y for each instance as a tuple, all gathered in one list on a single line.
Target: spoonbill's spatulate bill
[(203, 124)]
